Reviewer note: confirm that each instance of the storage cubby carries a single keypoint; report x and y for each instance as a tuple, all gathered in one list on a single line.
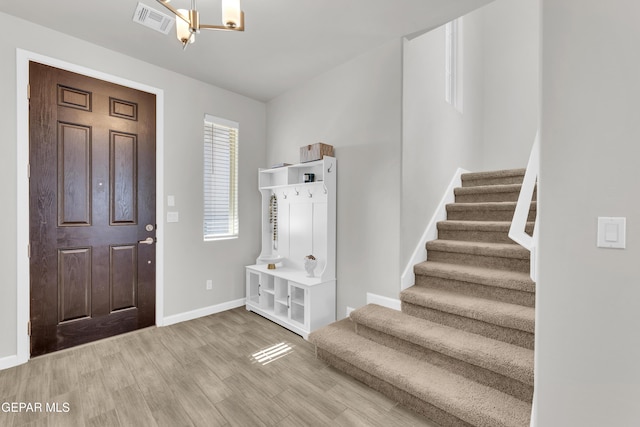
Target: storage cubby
[(298, 219), (267, 283), (253, 287), (281, 290)]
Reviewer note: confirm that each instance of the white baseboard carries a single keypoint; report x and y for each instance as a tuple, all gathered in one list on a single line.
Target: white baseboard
[(419, 255), (201, 312), (383, 301), (10, 362)]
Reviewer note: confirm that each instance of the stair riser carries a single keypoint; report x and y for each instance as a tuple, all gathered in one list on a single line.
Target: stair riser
[(512, 296), (481, 375), (504, 180), (500, 263), (408, 400), (511, 336), (504, 196), (475, 236), (485, 215)]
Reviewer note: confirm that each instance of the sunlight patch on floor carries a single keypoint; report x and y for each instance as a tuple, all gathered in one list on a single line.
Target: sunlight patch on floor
[(270, 354)]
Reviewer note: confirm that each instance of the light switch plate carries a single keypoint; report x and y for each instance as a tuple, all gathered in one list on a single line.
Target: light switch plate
[(171, 200), (172, 217), (612, 232)]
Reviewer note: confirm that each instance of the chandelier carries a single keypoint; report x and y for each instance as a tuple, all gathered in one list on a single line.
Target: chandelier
[(188, 21)]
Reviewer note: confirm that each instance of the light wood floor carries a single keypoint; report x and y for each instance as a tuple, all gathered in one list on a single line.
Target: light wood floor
[(196, 373)]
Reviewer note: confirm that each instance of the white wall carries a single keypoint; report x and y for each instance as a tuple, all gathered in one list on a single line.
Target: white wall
[(355, 107), (588, 327), (511, 71), (188, 260), (500, 67)]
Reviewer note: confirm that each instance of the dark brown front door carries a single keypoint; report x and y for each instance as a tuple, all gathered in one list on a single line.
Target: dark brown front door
[(92, 206)]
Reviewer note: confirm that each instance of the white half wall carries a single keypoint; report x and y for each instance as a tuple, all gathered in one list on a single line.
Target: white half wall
[(355, 107), (588, 298)]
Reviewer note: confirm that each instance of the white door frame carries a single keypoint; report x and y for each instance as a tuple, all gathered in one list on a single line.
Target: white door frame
[(22, 110)]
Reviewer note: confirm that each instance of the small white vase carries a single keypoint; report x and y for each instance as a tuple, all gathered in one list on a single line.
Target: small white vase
[(310, 265)]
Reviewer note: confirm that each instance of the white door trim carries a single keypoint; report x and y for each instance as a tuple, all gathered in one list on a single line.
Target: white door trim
[(22, 110)]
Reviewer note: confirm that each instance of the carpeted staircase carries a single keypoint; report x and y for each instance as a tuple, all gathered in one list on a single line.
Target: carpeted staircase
[(461, 350)]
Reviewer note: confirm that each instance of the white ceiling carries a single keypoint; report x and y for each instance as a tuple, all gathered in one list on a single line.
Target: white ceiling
[(286, 42)]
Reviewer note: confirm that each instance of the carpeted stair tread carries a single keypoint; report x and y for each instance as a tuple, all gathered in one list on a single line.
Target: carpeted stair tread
[(495, 231), (471, 402), (503, 250), (499, 313), (488, 193), (507, 176), (493, 174), (506, 359), (479, 189), (486, 211), (485, 206), (485, 276), (494, 226)]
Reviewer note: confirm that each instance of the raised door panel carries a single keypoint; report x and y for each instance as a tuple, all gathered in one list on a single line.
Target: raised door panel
[(123, 277), (123, 109), (124, 178), (74, 175), (74, 284), (74, 98)]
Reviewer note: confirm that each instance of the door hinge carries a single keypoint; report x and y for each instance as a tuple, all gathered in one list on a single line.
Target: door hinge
[(29, 251), (29, 170), (28, 91), (29, 328)]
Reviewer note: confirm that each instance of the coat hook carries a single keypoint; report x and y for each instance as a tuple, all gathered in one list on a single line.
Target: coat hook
[(297, 192), (330, 167), (284, 194), (324, 188), (310, 194)]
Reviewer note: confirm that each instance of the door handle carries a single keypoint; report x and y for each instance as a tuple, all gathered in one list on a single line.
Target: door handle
[(147, 241)]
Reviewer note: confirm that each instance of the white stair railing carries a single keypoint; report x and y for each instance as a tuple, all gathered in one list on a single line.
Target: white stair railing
[(517, 232)]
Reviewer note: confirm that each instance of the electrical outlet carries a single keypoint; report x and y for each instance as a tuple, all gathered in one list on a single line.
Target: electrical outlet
[(209, 285)]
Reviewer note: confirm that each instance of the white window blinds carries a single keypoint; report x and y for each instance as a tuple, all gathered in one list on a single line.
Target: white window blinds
[(220, 178)]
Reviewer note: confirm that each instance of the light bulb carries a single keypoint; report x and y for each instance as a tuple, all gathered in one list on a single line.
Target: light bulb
[(182, 27), (231, 13)]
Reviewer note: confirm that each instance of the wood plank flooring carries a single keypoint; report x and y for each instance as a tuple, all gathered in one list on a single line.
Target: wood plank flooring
[(196, 373)]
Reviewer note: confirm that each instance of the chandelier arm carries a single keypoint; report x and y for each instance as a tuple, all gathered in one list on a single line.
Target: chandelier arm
[(166, 4), (223, 27), (219, 28)]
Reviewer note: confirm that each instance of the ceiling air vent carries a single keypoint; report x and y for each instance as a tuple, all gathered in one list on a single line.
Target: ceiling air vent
[(153, 19)]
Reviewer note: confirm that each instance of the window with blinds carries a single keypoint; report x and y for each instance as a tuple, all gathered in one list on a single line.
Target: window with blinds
[(220, 178)]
